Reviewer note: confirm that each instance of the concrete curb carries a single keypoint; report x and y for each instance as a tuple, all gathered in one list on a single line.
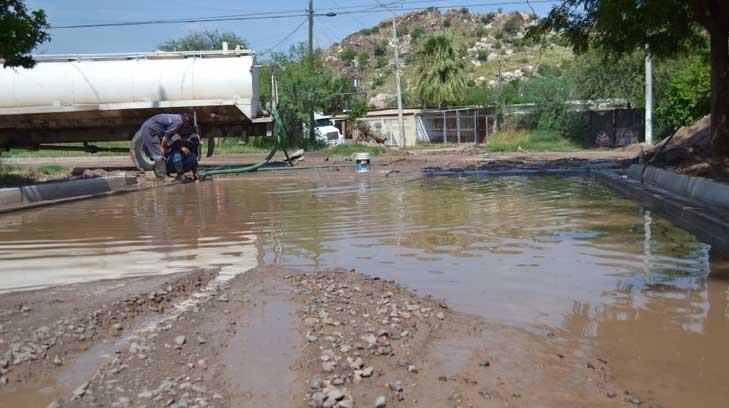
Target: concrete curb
[(698, 188), (709, 223), (13, 199)]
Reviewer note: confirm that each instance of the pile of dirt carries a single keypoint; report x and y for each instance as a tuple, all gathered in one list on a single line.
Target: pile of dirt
[(689, 152)]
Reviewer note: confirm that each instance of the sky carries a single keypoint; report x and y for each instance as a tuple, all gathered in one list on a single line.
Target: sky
[(263, 34)]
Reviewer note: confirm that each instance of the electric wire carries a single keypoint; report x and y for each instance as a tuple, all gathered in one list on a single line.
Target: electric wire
[(278, 44), (272, 15)]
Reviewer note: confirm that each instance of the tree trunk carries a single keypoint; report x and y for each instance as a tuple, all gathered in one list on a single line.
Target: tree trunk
[(720, 91)]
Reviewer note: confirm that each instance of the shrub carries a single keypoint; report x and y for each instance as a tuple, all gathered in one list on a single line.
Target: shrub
[(417, 34), (446, 23), (511, 26), (547, 70), (380, 49), (348, 55), (488, 18), (365, 31), (483, 55), (363, 58), (499, 35), (464, 10)]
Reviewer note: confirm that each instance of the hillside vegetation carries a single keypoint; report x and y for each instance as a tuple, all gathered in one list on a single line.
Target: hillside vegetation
[(484, 40)]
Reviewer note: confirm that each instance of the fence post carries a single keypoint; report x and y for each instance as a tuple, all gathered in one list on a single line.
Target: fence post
[(458, 126), (486, 125), (475, 127), (445, 132)]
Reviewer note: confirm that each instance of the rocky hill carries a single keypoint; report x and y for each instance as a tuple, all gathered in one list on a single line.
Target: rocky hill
[(485, 40)]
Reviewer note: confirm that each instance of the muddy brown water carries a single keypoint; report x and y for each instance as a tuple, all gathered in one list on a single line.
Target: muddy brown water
[(565, 257)]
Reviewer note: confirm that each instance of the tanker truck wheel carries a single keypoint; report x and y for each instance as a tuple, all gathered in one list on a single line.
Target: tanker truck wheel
[(139, 154)]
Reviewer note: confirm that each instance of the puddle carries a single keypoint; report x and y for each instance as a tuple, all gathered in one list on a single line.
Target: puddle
[(83, 367), (551, 254), (262, 377), (24, 396), (455, 354)]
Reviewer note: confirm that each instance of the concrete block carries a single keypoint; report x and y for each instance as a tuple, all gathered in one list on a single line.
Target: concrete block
[(10, 197), (709, 223), (698, 188), (22, 196)]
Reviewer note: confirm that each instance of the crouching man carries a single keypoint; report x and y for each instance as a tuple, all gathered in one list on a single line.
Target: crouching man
[(181, 155), (157, 133)]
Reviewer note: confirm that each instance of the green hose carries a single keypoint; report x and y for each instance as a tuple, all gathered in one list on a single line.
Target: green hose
[(277, 143)]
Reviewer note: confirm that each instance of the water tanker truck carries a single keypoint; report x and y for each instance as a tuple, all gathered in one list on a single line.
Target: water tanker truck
[(83, 99)]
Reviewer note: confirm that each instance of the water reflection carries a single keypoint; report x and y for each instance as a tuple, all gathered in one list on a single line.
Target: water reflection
[(141, 234)]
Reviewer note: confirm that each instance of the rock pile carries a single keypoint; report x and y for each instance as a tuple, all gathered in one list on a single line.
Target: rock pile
[(357, 329)]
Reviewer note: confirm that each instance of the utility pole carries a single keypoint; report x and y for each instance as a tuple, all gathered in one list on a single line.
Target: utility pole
[(310, 12), (648, 96), (356, 75), (401, 121), (397, 81), (499, 106)]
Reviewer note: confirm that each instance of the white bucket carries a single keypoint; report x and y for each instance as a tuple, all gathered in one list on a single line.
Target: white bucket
[(362, 162)]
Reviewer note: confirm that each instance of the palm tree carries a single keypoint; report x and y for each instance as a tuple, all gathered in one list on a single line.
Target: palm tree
[(440, 71)]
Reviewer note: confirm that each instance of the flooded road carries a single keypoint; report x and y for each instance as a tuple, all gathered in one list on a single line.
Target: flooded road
[(559, 256)]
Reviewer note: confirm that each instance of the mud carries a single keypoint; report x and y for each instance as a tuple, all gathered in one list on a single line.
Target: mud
[(50, 338), (255, 342)]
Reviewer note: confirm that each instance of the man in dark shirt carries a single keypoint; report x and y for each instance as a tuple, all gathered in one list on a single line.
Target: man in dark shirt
[(181, 156), (157, 132)]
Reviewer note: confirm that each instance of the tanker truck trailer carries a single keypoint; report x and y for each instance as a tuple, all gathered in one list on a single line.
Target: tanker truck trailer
[(97, 98)]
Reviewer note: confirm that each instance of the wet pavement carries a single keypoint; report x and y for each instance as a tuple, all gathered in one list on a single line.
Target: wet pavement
[(563, 257)]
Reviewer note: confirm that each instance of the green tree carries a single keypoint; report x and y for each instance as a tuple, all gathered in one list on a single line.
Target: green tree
[(440, 71), (688, 97), (20, 32), (478, 95), (204, 41), (666, 26), (348, 55), (304, 83), (549, 96), (598, 75)]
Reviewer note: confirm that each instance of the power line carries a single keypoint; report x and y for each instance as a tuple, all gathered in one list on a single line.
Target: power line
[(453, 6), (278, 44), (292, 14)]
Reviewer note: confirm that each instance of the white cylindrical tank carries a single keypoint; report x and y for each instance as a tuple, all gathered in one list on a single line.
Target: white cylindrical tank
[(120, 79)]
